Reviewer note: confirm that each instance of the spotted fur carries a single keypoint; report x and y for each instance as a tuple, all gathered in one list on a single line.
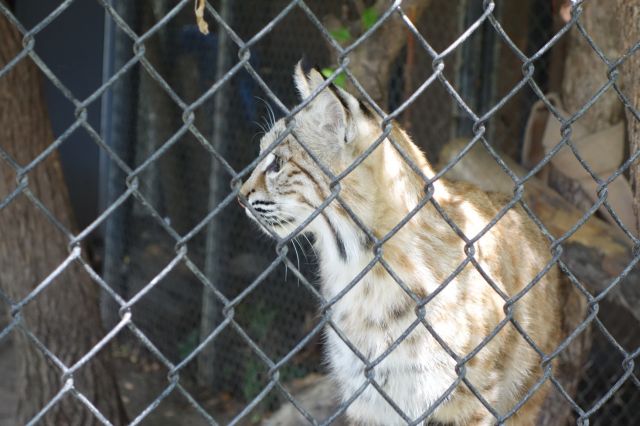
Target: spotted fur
[(288, 186)]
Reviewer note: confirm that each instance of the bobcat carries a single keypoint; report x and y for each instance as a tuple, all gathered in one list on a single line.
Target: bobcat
[(427, 255)]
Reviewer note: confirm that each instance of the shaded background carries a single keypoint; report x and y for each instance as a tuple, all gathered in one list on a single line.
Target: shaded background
[(137, 116)]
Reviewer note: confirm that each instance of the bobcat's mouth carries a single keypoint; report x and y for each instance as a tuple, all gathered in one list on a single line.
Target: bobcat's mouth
[(268, 214)]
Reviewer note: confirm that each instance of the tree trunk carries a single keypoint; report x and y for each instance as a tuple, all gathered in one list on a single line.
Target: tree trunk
[(65, 316), (371, 62), (584, 74), (629, 12)]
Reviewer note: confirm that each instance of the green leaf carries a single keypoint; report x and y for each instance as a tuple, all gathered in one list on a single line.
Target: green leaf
[(369, 17), (340, 79), (327, 72), (342, 34)]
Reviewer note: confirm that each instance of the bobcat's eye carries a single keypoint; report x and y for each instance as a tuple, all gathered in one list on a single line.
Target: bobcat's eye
[(274, 166)]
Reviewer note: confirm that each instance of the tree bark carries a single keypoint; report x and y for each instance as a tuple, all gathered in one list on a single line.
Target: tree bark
[(629, 13), (584, 74), (65, 316)]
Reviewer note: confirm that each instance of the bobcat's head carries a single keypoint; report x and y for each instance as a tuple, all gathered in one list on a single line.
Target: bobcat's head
[(287, 186)]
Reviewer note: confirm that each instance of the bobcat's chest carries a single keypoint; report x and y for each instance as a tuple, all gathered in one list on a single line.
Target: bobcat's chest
[(380, 339)]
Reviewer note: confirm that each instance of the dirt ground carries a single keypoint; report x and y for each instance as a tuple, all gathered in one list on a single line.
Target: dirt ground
[(7, 383), (140, 383)]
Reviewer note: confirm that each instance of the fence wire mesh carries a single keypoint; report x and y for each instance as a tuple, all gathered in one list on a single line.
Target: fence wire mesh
[(195, 254)]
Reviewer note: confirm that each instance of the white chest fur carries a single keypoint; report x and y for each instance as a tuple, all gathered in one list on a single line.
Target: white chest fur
[(405, 360)]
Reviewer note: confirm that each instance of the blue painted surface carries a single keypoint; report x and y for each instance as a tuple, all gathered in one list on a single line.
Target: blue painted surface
[(71, 46)]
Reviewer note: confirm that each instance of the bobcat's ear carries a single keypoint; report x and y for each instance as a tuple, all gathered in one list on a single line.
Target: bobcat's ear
[(333, 109), (301, 82), (329, 110)]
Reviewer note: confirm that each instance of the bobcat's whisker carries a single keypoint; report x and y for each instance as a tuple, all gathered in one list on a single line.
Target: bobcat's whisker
[(262, 130), (290, 221), (270, 113)]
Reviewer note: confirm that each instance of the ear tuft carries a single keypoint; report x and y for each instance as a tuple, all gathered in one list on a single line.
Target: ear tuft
[(315, 78), (300, 80), (329, 115)]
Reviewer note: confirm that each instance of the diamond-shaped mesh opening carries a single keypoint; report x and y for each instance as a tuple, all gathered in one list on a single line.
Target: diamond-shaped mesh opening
[(605, 366), (610, 369), (160, 320), (146, 376), (265, 325), (26, 275), (77, 55)]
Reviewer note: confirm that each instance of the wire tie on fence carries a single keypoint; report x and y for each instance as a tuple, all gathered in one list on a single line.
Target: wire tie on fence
[(612, 72), (556, 248), (518, 190), (228, 311), (378, 250), (139, 49), (369, 371), (81, 113), (244, 53), (22, 179), (478, 127), (16, 313), (582, 421), (132, 182), (603, 189), (173, 376), (461, 368), (507, 308), (235, 184), (281, 247), (565, 131), (545, 363), (576, 6), (67, 379), (28, 41), (124, 311), (188, 117), (438, 64), (181, 245), (335, 184), (343, 59), (628, 364), (469, 249), (528, 69), (421, 311), (75, 245), (274, 375), (386, 124)]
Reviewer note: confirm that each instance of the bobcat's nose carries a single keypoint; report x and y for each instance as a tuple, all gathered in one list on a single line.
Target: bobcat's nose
[(243, 194), (243, 198)]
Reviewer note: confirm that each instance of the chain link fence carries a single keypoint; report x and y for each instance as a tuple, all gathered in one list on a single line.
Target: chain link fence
[(227, 321)]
